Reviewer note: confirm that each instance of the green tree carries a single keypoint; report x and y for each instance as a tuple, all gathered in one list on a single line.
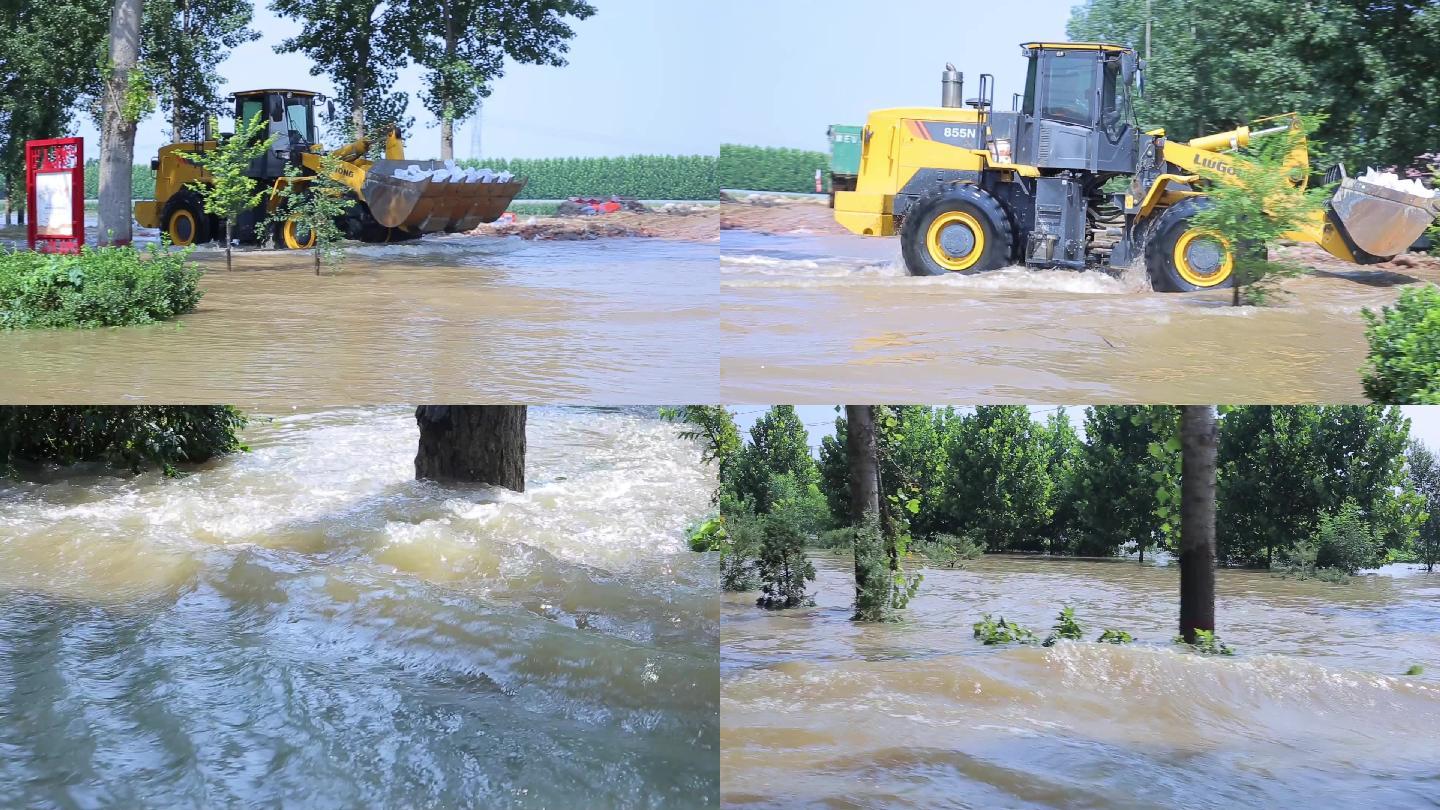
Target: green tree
[(463, 46), (1345, 540), (778, 445), (1424, 469), (1218, 64), (998, 485), (781, 566), (130, 437), (312, 205), (49, 60), (183, 43), (1062, 449), (1257, 207), (1271, 492), (360, 45), (1114, 492), (230, 191)]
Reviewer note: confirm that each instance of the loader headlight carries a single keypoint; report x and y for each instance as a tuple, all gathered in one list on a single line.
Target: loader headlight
[(1000, 150)]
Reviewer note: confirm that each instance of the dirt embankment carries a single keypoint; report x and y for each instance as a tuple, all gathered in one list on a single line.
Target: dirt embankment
[(777, 215), (1405, 268), (688, 223)]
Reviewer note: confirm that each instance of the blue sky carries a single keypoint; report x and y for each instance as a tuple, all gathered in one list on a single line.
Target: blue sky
[(641, 79), (796, 67), (820, 420)]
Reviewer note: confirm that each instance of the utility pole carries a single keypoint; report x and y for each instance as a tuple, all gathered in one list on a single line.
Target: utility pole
[(1147, 31)]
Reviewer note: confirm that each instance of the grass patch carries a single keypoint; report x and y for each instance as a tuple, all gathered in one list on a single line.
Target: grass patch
[(109, 286)]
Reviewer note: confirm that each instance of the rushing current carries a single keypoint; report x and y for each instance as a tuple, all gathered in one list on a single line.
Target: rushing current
[(1313, 711), (809, 315), (446, 318), (304, 625)]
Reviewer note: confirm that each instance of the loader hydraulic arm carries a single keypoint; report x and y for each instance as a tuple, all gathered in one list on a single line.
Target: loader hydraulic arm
[(1216, 153)]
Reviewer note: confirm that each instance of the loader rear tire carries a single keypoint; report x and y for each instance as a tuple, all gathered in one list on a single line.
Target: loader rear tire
[(1182, 258), (958, 229)]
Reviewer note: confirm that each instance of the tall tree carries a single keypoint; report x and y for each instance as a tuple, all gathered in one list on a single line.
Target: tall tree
[(1424, 470), (1114, 486), (1062, 450), (123, 105), (998, 486), (779, 445), (872, 570), (184, 41), (1199, 438), (360, 45), (1270, 491), (463, 45), (48, 62), (1226, 62), (475, 443)]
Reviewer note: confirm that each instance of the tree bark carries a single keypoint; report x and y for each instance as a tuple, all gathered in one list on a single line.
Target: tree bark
[(447, 138), (482, 444), (864, 464), (1199, 437), (447, 118), (117, 132)]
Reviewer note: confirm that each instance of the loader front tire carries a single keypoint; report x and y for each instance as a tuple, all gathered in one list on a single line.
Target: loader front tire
[(1183, 258), (185, 222), (958, 229)]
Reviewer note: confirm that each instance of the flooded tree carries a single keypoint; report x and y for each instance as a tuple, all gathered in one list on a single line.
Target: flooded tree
[(482, 444), (872, 569), (134, 437), (1199, 441), (1425, 477), (123, 104)]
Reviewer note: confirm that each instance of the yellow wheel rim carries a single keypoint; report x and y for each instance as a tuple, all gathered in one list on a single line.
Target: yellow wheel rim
[(181, 228), (1203, 258), (956, 240), (292, 232)]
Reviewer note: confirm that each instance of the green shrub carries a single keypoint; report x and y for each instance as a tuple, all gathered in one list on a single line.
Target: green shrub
[(1415, 669), (1345, 541), (645, 177), (112, 286), (758, 168), (125, 436), (1403, 366), (1065, 628), (1115, 637), (998, 631), (782, 566), (743, 536), (1207, 643), (950, 551)]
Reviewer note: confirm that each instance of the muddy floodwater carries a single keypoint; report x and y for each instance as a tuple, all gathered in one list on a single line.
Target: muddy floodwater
[(304, 625), (458, 318), (821, 712), (809, 315)]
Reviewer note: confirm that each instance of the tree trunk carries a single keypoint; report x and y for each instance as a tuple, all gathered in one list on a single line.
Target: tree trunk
[(476, 443), (117, 132), (1199, 437), (872, 582), (177, 117), (229, 224), (447, 137), (447, 118), (864, 464)]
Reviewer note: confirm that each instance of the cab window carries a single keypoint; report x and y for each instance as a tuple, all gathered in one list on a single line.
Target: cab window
[(297, 119), (1114, 102), (1069, 88)]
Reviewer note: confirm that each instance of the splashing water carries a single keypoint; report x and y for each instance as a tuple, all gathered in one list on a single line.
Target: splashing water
[(306, 624)]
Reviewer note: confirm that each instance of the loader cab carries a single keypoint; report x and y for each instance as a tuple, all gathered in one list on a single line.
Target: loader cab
[(1076, 111), (290, 118)]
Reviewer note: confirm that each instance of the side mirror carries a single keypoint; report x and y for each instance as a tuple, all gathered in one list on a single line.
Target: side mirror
[(277, 109)]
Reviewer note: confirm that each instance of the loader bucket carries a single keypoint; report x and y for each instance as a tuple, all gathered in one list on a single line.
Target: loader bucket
[(1381, 221), (431, 206)]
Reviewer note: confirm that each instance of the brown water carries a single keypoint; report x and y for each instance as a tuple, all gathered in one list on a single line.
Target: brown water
[(809, 317), (818, 711), (457, 318), (305, 625)]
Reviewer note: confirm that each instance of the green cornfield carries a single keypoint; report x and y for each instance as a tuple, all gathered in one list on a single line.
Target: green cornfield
[(142, 181), (645, 177), (760, 168)]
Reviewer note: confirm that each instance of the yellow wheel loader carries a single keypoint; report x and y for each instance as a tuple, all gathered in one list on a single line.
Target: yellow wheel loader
[(393, 198), (969, 189)]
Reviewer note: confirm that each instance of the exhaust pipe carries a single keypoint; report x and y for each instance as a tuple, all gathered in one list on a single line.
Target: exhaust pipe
[(952, 87)]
